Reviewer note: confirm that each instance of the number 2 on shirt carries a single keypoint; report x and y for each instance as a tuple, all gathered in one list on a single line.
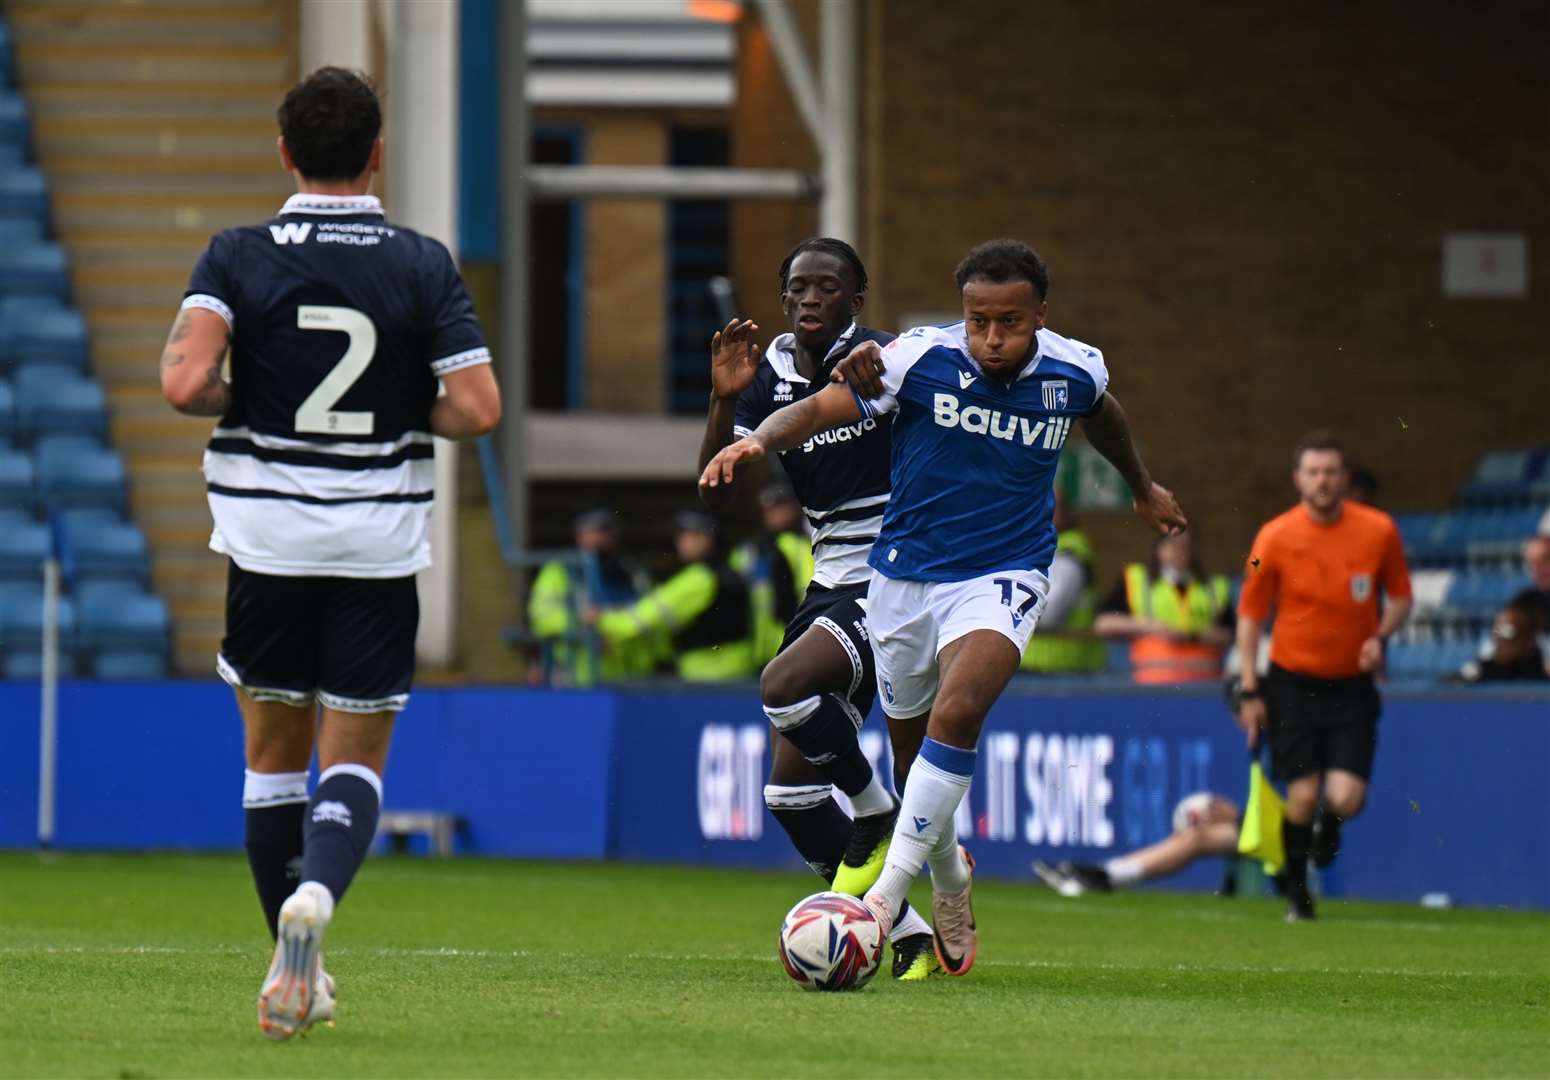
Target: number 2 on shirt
[(317, 415)]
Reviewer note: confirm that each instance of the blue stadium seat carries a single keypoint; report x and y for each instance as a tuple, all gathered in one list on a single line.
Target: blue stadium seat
[(76, 472), (21, 619), (37, 330), (35, 270), (7, 413), (95, 547), (23, 190), (20, 230), (23, 547), (28, 666), (129, 665), (18, 482), (53, 401), (121, 621), (14, 128), (1483, 594)]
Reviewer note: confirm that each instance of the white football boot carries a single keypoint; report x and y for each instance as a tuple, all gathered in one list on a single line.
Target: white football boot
[(297, 993)]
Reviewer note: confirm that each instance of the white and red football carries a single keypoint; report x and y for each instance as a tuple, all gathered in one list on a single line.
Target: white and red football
[(831, 941)]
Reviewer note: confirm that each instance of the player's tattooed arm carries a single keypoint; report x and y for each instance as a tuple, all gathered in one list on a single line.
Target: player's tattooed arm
[(191, 364), (1108, 429), (784, 429)]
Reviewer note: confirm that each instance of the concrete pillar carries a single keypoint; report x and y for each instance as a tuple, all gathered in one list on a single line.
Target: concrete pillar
[(335, 32)]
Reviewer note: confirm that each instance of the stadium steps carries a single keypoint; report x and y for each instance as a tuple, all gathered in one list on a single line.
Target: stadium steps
[(154, 121)]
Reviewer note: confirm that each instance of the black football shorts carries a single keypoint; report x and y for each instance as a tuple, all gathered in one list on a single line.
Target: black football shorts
[(1321, 724), (842, 613), (347, 643)]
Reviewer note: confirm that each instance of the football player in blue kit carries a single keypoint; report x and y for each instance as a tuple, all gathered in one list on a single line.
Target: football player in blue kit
[(818, 689), (342, 330), (981, 410)]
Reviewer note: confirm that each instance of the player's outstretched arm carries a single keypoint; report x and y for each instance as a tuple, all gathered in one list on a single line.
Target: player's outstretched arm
[(1108, 429), (734, 359), (471, 405), (784, 429), (191, 363)]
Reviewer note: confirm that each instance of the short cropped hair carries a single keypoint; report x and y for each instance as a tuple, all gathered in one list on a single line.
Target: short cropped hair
[(827, 245), (330, 121), (1004, 260), (1318, 440)]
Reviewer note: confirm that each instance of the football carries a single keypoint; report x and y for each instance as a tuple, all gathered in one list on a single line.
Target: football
[(1192, 810), (831, 941)]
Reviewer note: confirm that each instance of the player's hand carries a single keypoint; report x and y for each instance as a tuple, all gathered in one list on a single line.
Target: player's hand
[(1252, 718), (723, 466), (1159, 509), (862, 369), (1370, 657), (734, 358)]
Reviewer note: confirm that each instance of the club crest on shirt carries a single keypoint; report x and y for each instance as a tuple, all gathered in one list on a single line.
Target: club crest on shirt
[(1056, 394), (1361, 587), (783, 391)]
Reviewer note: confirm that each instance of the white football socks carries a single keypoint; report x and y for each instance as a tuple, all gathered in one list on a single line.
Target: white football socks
[(938, 780), (1123, 871), (876, 799), (909, 923)]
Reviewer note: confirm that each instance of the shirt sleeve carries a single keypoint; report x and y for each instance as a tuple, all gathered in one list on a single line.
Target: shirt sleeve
[(211, 286), (456, 339), (1395, 574), (1260, 578), (899, 355), (753, 406)]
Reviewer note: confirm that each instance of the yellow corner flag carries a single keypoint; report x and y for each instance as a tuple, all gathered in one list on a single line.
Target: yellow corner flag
[(1260, 836)]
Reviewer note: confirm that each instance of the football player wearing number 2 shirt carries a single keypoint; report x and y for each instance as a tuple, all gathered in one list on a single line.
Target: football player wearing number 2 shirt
[(342, 331)]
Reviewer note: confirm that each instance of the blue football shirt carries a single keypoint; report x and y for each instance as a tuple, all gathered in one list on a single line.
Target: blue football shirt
[(974, 459)]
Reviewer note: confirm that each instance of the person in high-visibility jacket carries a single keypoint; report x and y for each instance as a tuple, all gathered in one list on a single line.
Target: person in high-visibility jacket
[(778, 565), (599, 578), (703, 608), (1178, 622), (1065, 643)]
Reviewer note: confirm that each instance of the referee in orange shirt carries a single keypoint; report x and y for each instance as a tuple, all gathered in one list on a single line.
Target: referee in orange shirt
[(1321, 566)]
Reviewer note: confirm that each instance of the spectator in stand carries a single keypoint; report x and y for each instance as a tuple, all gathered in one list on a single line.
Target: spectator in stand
[(1178, 621), (1361, 485), (1065, 643), (1515, 654), (599, 578), (1536, 561), (703, 608)]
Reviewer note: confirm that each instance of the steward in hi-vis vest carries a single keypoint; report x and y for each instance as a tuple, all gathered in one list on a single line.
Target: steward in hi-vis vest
[(1178, 622)]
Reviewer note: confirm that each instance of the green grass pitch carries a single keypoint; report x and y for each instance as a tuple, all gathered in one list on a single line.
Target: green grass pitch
[(148, 966)]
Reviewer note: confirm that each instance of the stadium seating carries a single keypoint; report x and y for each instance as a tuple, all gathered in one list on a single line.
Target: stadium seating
[(1509, 477), (95, 546), (23, 190), (21, 619), (18, 483), (14, 127), (77, 472), (49, 401), (24, 545), (123, 622), (36, 269), (41, 331), (7, 414)]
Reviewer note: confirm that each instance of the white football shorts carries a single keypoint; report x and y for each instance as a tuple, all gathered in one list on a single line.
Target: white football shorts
[(911, 622)]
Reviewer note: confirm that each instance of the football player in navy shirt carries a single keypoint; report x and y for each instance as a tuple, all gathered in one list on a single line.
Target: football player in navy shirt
[(342, 329), (981, 410), (818, 689)]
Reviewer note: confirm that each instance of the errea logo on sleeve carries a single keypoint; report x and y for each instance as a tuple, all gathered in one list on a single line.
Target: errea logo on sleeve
[(947, 411)]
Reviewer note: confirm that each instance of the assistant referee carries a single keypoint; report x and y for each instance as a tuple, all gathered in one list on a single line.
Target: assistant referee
[(1321, 566)]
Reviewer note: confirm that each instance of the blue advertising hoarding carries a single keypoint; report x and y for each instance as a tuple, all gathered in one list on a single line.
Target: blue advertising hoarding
[(676, 774)]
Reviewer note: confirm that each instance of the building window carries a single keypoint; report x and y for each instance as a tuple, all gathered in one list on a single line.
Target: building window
[(698, 238)]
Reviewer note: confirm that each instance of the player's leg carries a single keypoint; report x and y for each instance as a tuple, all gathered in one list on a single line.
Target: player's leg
[(270, 659), (1162, 859), (801, 800), (366, 633), (1296, 755), (807, 691), (905, 735), (1351, 743), (278, 743)]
